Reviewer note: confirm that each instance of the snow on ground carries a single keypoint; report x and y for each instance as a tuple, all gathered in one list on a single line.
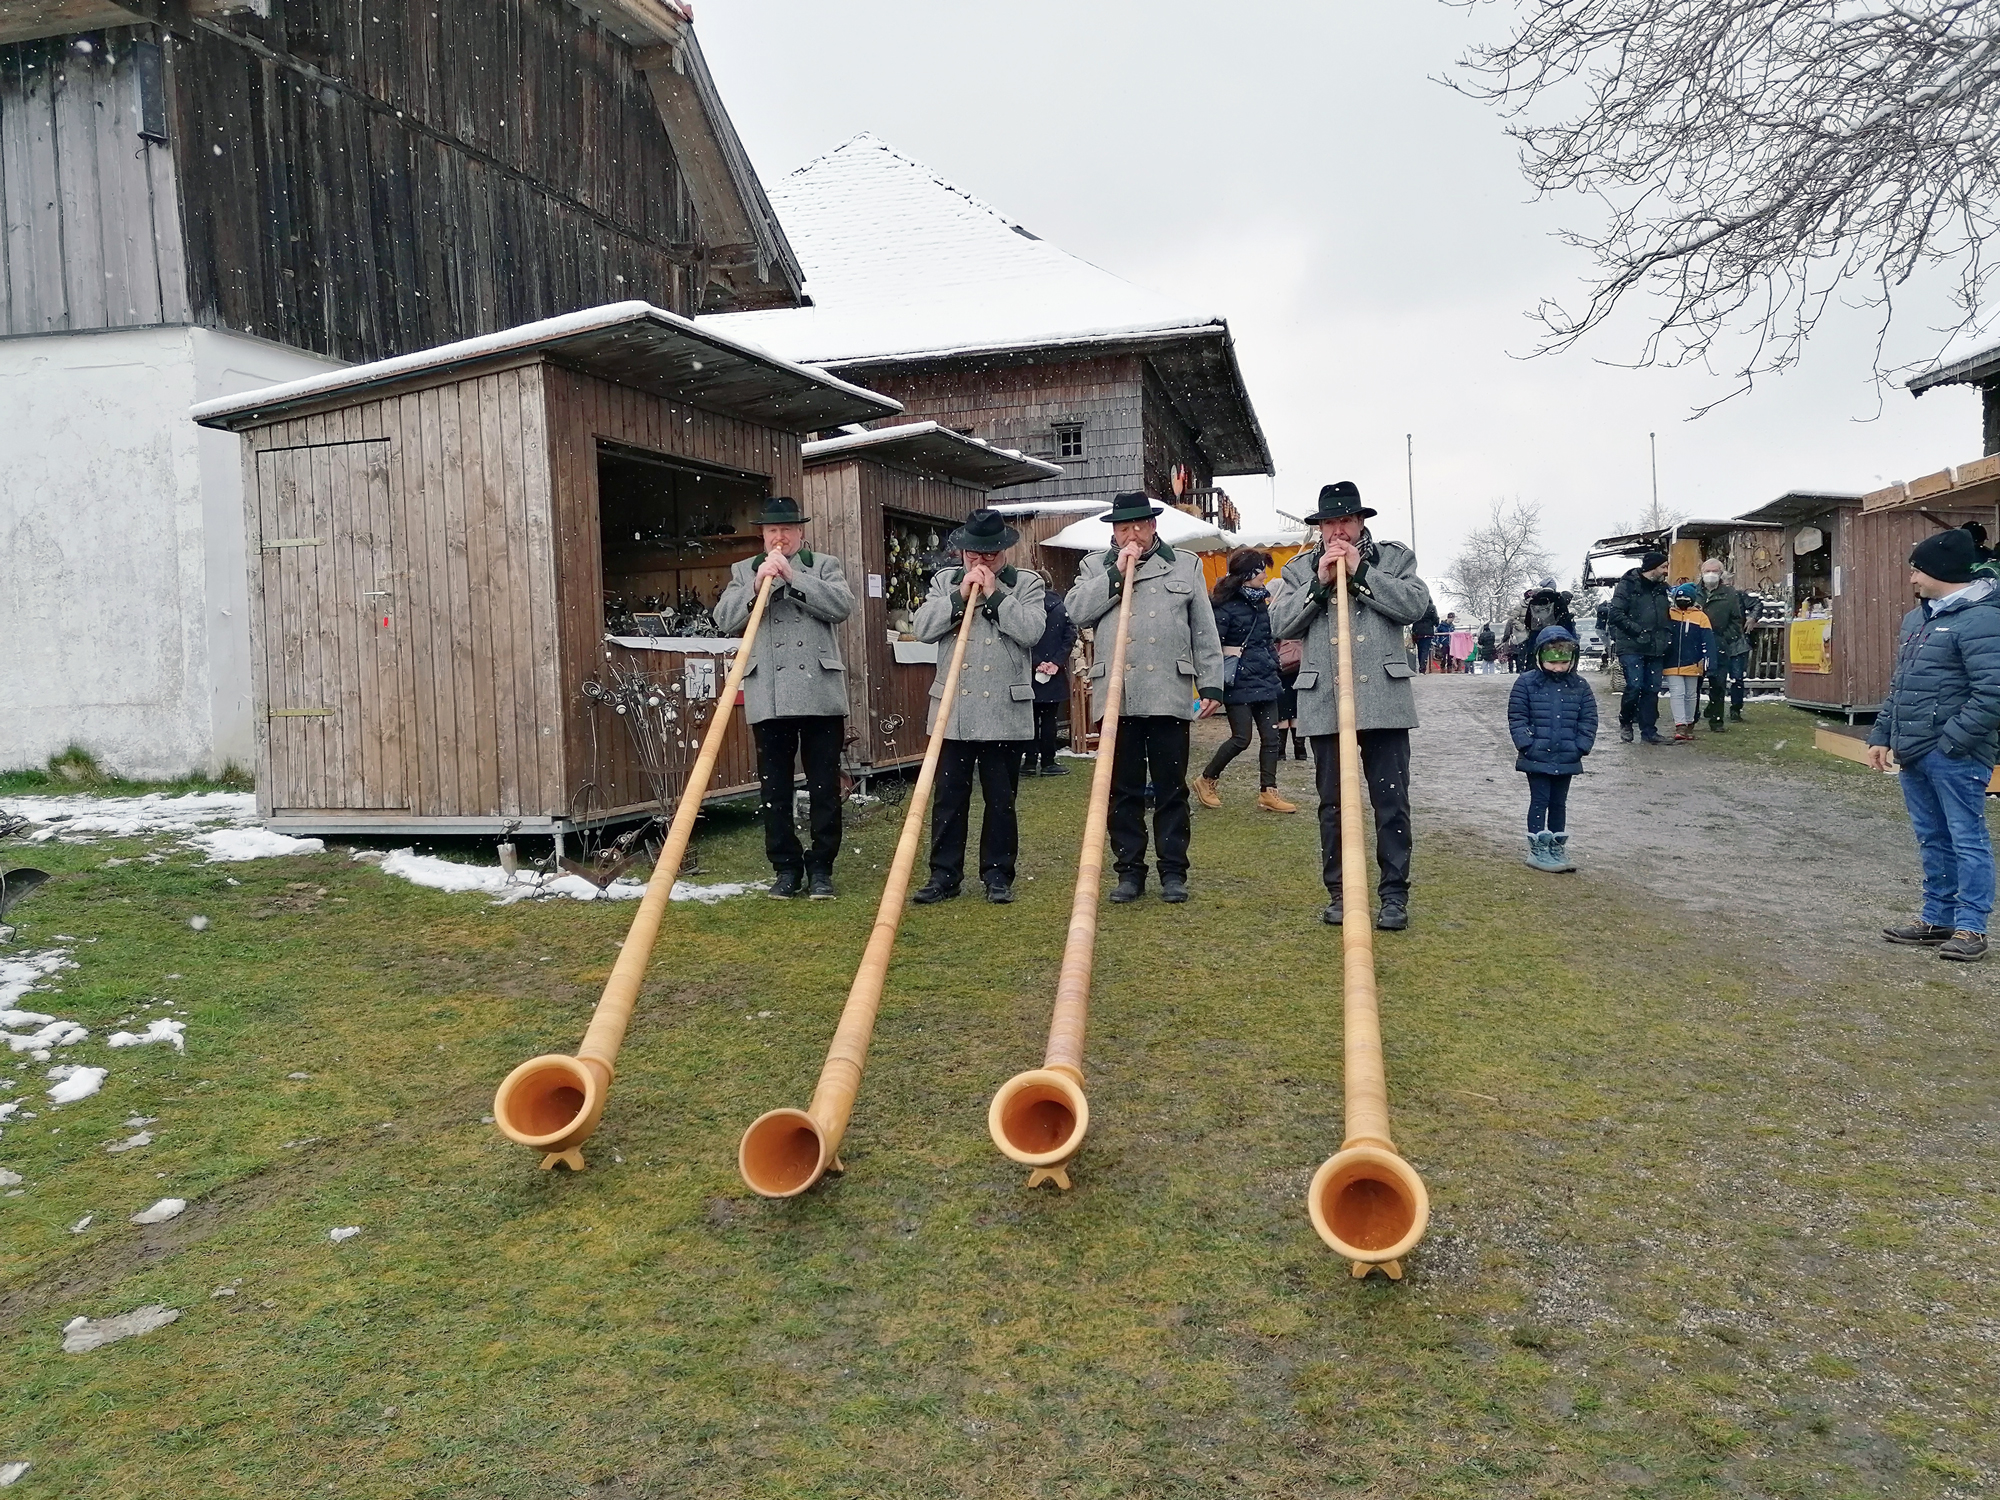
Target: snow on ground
[(236, 844), (161, 1030), (54, 1034), (346, 1233), (159, 1213), (26, 972), (81, 1335), (452, 876), (9, 1473), (76, 1083), (123, 817)]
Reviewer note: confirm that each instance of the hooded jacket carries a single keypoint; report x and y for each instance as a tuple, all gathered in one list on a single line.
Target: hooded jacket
[(1243, 618), (1552, 716), (1944, 693), (1638, 615)]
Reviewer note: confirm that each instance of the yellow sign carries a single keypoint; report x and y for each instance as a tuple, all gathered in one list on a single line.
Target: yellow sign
[(1812, 645)]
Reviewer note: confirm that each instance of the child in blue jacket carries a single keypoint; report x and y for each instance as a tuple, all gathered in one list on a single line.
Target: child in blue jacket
[(1552, 715)]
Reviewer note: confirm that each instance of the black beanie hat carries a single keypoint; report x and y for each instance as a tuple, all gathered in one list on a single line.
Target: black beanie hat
[(1651, 560), (1948, 556)]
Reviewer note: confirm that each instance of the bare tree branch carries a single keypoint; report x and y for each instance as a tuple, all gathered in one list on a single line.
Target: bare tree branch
[(1498, 561), (1752, 159)]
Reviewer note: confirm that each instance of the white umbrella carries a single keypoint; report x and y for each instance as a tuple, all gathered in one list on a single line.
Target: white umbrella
[(1176, 527)]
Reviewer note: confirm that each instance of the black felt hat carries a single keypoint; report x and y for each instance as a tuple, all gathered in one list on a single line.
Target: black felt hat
[(984, 531), (1342, 498), (1135, 506), (781, 510), (1947, 556)]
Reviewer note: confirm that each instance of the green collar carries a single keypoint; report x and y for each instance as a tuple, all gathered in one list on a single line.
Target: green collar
[(1159, 549), (803, 557), (1006, 575)]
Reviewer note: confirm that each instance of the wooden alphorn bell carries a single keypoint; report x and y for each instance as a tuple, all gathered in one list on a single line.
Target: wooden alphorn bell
[(785, 1151), (1365, 1201), (553, 1102), (1039, 1117)]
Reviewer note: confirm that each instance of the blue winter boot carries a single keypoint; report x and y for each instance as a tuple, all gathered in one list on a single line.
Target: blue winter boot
[(1541, 854), (1559, 851)]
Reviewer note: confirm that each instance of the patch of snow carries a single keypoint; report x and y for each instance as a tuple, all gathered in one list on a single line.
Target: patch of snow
[(81, 1224), (81, 1335), (161, 1030), (130, 1143), (80, 1084), (124, 817), (339, 1235), (159, 1213), (199, 924), (10, 1473), (9, 1108), (20, 975), (9, 1179), (455, 878), (55, 1034), (298, 1077), (234, 845)]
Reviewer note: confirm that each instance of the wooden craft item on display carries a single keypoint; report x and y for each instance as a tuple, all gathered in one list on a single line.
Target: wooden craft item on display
[(1365, 1201), (552, 1103), (785, 1151)]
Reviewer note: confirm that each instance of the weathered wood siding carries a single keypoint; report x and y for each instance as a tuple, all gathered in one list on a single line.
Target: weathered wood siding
[(580, 410), (429, 510), (1169, 441), (89, 230), (365, 179), (1876, 593)]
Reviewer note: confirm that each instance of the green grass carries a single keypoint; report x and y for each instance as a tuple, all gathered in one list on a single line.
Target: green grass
[(1701, 1226), (76, 770)]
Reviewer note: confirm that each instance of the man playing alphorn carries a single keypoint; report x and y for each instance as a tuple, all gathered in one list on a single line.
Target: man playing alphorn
[(1385, 594), (794, 691), (994, 696), (1172, 652)]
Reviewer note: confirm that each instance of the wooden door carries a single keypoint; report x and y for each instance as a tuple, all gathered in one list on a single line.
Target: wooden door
[(336, 679)]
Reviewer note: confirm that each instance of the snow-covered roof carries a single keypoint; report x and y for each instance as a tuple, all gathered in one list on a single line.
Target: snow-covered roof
[(903, 265), (1176, 528), (634, 343), (935, 449), (1973, 360)]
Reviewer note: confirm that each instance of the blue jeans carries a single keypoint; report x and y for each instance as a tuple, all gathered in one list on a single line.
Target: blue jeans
[(1947, 803), (1641, 703)]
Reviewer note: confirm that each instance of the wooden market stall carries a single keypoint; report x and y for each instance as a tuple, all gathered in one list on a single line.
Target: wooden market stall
[(463, 561), (883, 501), (1755, 558), (1849, 577)]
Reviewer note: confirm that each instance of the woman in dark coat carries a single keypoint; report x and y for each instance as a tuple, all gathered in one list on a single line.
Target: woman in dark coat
[(1552, 718), (1051, 660), (1251, 687)]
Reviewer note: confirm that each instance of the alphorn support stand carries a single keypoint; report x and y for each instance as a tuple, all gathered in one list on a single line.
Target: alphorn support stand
[(785, 1151), (1039, 1117), (1366, 1202), (553, 1103)]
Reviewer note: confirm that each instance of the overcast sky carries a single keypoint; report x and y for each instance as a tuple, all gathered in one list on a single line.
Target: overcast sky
[(1295, 168)]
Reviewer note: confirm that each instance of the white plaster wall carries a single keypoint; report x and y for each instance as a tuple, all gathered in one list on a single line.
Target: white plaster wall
[(122, 569)]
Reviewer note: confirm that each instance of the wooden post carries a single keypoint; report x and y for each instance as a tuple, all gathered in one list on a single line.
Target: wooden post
[(1039, 1117), (785, 1151), (553, 1102), (1365, 1201)]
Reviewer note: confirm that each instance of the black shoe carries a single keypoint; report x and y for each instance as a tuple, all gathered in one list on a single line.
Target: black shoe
[(1715, 726), (1056, 769), (1129, 888), (822, 887), (1736, 716), (1393, 917), (1173, 889), (787, 885), (1298, 748), (1625, 733), (932, 892), (999, 892), (1918, 932), (1654, 739), (1332, 914), (1966, 947)]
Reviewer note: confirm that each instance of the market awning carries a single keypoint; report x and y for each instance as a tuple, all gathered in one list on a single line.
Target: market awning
[(1176, 528)]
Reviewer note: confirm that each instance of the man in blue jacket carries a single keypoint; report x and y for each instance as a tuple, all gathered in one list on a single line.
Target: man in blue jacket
[(1941, 721)]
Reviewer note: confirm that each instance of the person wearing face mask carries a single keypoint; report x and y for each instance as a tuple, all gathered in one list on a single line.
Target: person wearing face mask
[(1250, 682), (1724, 607), (1552, 718)]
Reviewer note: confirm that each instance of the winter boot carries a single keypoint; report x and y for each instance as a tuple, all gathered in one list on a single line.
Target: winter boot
[(1173, 888), (1129, 888), (1559, 851), (1204, 792), (1736, 716), (1270, 801), (1298, 746), (1964, 945), (1625, 733), (1919, 932), (1541, 853)]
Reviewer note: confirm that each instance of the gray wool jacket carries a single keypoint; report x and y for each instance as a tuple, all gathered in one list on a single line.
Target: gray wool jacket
[(1385, 596), (795, 668), (996, 694), (1174, 649)]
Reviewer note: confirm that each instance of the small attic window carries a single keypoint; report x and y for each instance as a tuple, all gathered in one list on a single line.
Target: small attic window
[(1069, 440)]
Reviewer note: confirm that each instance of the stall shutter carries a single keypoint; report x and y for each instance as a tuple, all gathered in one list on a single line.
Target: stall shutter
[(336, 675)]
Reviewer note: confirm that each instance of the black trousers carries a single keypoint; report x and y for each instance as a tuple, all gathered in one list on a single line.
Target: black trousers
[(1151, 747), (1270, 742), (999, 766), (1043, 747), (1385, 767), (1728, 673), (815, 739)]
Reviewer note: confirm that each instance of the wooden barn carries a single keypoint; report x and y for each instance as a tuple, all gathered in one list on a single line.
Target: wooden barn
[(883, 501), (450, 546), (924, 292), (1849, 578), (202, 197)]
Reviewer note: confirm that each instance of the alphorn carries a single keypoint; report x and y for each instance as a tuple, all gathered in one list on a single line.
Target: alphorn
[(1365, 1201), (1039, 1117), (785, 1151), (553, 1103)]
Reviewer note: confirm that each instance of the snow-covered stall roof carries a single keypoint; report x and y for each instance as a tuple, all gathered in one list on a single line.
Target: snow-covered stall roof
[(1970, 361), (903, 265), (930, 448), (633, 343), (1176, 528)]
